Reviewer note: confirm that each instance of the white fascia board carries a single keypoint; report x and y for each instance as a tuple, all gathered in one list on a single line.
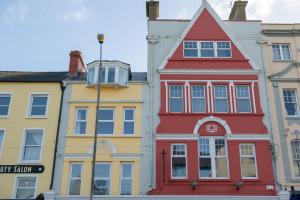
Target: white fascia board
[(220, 72)]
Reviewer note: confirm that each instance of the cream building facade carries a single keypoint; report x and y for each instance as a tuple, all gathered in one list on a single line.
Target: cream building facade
[(281, 50)]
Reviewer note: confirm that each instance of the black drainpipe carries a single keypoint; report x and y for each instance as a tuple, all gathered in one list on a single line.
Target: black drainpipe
[(62, 87)]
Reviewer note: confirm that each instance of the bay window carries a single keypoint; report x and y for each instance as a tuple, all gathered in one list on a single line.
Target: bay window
[(213, 157), (179, 161)]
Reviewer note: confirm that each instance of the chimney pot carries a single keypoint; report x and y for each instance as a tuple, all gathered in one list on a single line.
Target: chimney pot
[(238, 11), (152, 9), (76, 63)]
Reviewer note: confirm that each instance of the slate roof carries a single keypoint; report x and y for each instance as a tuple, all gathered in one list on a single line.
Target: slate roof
[(18, 76)]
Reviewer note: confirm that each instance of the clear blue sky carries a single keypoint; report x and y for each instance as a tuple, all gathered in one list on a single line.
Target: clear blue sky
[(37, 35)]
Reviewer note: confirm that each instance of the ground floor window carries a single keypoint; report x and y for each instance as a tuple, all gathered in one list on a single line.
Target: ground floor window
[(213, 157), (179, 164), (126, 178), (295, 144), (75, 179), (25, 187), (102, 179), (248, 161)]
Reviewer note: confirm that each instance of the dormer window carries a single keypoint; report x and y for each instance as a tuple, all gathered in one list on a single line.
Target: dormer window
[(112, 73), (207, 49)]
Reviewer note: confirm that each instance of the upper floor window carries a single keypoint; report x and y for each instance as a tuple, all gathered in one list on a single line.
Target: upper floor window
[(102, 179), (178, 159), (176, 98), (290, 101), (105, 121), (111, 73), (75, 179), (207, 49), (221, 98), (198, 98), (38, 105), (281, 52), (81, 119), (243, 98), (128, 126), (213, 157), (295, 144), (4, 104), (25, 187), (248, 161), (190, 49), (32, 145)]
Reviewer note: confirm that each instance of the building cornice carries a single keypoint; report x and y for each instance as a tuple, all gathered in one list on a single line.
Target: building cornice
[(190, 136), (281, 32), (214, 72)]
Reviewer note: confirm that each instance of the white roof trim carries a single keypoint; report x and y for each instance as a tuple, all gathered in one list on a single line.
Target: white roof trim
[(221, 72), (220, 22)]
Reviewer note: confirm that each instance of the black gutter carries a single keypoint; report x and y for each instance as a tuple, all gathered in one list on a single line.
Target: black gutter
[(57, 133)]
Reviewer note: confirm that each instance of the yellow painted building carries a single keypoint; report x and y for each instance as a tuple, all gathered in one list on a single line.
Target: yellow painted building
[(281, 50), (119, 146), (29, 112)]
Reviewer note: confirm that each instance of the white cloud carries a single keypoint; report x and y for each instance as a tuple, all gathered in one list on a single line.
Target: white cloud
[(78, 12), (17, 12)]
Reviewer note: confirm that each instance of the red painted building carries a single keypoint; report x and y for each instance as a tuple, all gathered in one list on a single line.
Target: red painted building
[(211, 139)]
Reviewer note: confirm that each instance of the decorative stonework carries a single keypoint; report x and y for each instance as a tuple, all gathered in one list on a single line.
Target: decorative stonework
[(213, 119)]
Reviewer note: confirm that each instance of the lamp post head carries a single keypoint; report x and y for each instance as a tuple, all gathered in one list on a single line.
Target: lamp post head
[(100, 37)]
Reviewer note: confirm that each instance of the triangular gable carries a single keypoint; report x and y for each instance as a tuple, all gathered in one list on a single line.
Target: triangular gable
[(206, 25)]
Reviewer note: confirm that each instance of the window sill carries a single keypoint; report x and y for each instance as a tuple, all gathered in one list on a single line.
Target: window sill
[(215, 180), (4, 116), (292, 117), (284, 61), (30, 162), (36, 117), (250, 180)]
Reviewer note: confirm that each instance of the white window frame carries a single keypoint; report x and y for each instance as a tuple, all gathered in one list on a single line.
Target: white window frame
[(204, 97), (247, 156), (124, 120), (21, 160), (126, 178), (215, 48), (297, 105), (31, 96), (72, 178), (113, 120), (179, 156), (237, 98), (2, 143), (80, 120), (212, 153), (9, 105), (14, 194), (281, 52), (182, 95), (101, 178), (197, 44), (228, 106)]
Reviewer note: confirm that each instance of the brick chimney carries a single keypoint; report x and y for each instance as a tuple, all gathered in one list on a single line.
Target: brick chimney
[(238, 11), (152, 10), (76, 63)]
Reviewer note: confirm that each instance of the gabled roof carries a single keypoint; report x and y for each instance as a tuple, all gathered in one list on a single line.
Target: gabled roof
[(18, 76), (206, 7)]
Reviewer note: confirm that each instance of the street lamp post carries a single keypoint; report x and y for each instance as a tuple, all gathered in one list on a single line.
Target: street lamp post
[(100, 40)]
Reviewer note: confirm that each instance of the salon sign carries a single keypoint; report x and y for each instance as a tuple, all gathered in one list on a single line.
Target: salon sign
[(22, 169)]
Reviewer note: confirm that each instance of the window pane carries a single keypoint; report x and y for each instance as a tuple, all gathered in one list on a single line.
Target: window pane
[(91, 74), (25, 193), (128, 127), (297, 167), (111, 75), (127, 170), (205, 167), (74, 187), (1, 139), (106, 114), (221, 105), (80, 128), (129, 114), (276, 52), (248, 167), (126, 187), (220, 91), (198, 105), (102, 187), (178, 167), (207, 53), (290, 102), (204, 147), (76, 171), (41, 101), (32, 153), (105, 127), (286, 52), (4, 110), (26, 182), (190, 49), (221, 167), (178, 150), (102, 170), (102, 75), (176, 91), (123, 78), (198, 91), (223, 45), (221, 99), (81, 114), (295, 144), (243, 105), (34, 137), (224, 53), (220, 148), (4, 100), (176, 105)]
